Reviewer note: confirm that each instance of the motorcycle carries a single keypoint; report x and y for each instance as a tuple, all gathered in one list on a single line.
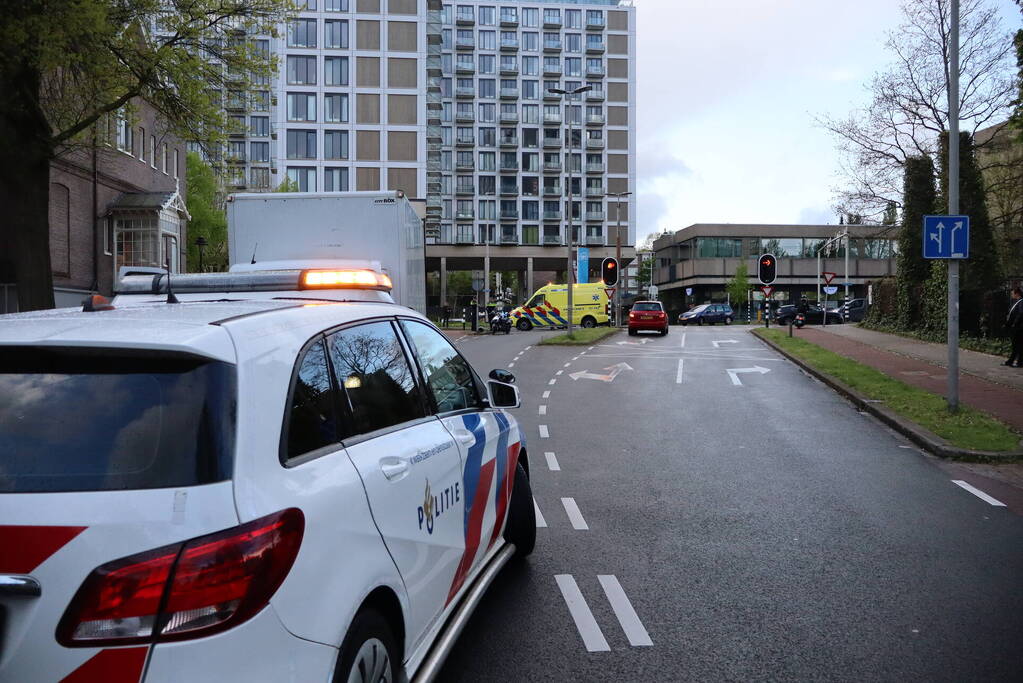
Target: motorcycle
[(500, 322), (800, 320)]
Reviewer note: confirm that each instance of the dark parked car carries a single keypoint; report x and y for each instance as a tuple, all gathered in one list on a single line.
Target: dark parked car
[(708, 314), (814, 315), (857, 310)]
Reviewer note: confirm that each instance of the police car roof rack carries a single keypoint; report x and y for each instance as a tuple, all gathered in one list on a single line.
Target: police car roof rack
[(258, 281)]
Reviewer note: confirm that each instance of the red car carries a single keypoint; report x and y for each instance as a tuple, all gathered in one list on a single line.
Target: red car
[(648, 315)]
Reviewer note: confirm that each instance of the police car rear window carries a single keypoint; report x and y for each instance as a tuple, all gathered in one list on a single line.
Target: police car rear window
[(96, 420)]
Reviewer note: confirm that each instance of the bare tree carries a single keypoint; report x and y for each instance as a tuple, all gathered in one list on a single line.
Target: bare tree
[(908, 107)]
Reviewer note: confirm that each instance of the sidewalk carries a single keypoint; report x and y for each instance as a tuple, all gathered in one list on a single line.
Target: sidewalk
[(984, 384)]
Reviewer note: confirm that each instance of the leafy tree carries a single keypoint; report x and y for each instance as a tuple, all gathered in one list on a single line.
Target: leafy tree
[(288, 185), (1017, 114), (891, 214), (208, 218), (919, 200), (67, 66), (739, 285), (644, 272)]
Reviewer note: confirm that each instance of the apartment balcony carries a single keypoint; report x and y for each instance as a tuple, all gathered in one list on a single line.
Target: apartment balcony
[(551, 22), (551, 216), (532, 169), (509, 168), (595, 72), (509, 239), (595, 23), (467, 165), (465, 68), (489, 192), (552, 167), (595, 96), (465, 93), (509, 93), (465, 44), (464, 215), (592, 191), (595, 168), (552, 70), (509, 190), (510, 70), (465, 20), (595, 119), (552, 46), (552, 119), (595, 143), (531, 193), (552, 143), (510, 141), (595, 216), (552, 190), (509, 22), (509, 117), (464, 239), (465, 189), (595, 240), (509, 45), (595, 48), (241, 133), (465, 117), (433, 66), (235, 104), (465, 142), (509, 214), (552, 240)]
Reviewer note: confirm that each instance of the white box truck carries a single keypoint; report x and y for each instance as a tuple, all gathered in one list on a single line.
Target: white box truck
[(332, 226)]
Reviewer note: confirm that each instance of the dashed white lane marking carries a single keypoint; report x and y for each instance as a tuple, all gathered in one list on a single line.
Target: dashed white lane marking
[(593, 639), (591, 348), (543, 410), (567, 364), (678, 376), (575, 358), (544, 433), (552, 462), (574, 515), (546, 394), (512, 364), (527, 348), (683, 344), (541, 523), (980, 494), (559, 373), (552, 382), (627, 617)]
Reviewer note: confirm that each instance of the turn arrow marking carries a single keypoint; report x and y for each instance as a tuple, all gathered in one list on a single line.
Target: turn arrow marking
[(717, 344), (613, 372), (635, 343), (734, 373)]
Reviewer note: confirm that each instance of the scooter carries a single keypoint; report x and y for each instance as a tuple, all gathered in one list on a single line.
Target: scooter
[(800, 320), (501, 322)]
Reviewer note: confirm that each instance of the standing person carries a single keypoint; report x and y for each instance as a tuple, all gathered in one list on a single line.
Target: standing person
[(1014, 323), (445, 319)]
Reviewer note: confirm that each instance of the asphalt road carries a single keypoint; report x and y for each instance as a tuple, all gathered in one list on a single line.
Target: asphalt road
[(758, 526)]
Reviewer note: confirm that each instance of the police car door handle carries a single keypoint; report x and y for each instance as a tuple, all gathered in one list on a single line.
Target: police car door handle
[(464, 437), (394, 468)]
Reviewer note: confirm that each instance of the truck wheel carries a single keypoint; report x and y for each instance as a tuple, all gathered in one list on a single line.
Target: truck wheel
[(521, 526), (524, 325), (369, 653), (589, 322)]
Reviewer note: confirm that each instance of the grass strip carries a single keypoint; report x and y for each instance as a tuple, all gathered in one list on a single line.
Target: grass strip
[(968, 428), (580, 337)]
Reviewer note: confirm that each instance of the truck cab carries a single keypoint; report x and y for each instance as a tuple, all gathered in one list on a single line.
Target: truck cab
[(548, 307)]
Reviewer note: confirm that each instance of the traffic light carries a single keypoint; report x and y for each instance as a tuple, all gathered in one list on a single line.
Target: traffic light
[(609, 271), (767, 269)]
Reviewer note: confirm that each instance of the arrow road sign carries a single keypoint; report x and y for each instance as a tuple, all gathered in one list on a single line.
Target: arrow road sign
[(946, 237), (613, 372), (717, 344), (734, 373)]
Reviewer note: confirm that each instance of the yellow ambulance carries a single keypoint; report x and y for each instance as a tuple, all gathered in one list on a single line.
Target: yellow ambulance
[(548, 307)]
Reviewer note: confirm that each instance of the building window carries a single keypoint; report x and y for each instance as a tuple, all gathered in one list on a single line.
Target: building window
[(335, 144), (573, 18), (335, 71), (530, 90), (488, 40), (260, 100), (259, 126), (259, 177), (531, 41), (335, 34), (335, 5), (531, 17), (152, 151), (260, 151), (487, 88), (301, 107), (302, 33), (125, 133), (488, 161), (574, 42), (488, 113), (335, 180), (487, 137), (142, 145), (487, 64), (552, 16), (177, 161), (301, 70), (530, 66), (488, 16), (301, 144), (509, 14), (164, 157), (304, 177), (335, 108)]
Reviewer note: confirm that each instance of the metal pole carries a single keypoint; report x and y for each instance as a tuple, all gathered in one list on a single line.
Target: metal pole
[(618, 258), (819, 276), (571, 236), (953, 209), (845, 316)]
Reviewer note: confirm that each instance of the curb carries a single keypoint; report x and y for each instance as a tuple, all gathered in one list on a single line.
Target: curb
[(924, 438)]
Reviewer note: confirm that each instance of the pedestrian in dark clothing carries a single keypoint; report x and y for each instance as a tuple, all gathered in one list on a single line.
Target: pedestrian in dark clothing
[(1014, 323), (445, 318)]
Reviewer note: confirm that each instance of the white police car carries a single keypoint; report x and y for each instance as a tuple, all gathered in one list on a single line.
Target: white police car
[(299, 483)]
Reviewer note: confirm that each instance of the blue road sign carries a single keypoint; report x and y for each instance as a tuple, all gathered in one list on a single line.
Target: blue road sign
[(946, 237), (583, 259)]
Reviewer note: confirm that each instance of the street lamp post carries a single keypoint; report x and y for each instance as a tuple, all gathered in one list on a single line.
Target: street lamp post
[(618, 251), (568, 158)]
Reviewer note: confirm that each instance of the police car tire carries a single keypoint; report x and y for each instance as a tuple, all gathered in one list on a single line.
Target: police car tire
[(589, 322), (520, 529), (367, 625), (524, 325)]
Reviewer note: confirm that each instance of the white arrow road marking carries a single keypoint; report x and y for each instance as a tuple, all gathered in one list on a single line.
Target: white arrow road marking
[(544, 433), (718, 342), (977, 492), (678, 377), (615, 370), (635, 343), (734, 373), (541, 523), (627, 617), (552, 462), (574, 515), (593, 639)]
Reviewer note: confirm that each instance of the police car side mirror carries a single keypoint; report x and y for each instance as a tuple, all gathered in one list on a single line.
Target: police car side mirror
[(502, 376), (503, 395)]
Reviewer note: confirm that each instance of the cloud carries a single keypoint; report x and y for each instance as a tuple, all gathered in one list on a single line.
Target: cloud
[(817, 215)]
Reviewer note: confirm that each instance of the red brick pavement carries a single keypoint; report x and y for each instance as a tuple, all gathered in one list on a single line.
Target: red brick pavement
[(999, 400)]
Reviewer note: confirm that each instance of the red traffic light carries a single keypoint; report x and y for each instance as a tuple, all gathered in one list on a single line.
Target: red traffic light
[(609, 272), (767, 269)]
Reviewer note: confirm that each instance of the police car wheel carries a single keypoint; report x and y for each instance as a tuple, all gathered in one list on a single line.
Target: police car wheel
[(369, 653), (589, 322), (524, 325), (520, 529)]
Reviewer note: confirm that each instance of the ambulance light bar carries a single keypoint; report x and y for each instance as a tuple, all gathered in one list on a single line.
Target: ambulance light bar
[(258, 281)]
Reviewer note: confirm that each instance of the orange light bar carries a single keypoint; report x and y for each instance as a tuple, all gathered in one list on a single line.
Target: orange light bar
[(345, 279)]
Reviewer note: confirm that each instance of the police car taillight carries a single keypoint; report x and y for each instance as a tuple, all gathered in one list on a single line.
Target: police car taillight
[(345, 279), (186, 590)]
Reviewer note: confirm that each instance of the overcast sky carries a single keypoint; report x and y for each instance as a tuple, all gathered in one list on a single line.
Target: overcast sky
[(727, 95)]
